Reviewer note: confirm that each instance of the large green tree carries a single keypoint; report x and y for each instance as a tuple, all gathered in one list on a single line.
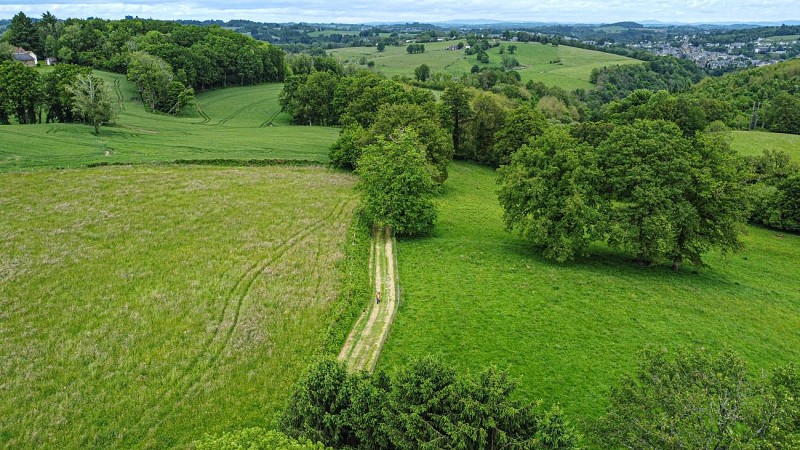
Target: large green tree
[(57, 97), (672, 197), (783, 113), (22, 33), (20, 93), (549, 194), (521, 124), (158, 87), (488, 117), (456, 115), (398, 185), (423, 119)]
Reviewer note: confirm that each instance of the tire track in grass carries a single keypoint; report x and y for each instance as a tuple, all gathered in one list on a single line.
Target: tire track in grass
[(363, 346), (232, 307), (239, 111)]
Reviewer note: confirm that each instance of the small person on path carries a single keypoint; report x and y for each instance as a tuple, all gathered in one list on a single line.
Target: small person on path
[(378, 298)]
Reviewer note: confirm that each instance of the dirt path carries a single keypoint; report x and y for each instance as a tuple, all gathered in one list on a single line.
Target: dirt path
[(365, 341)]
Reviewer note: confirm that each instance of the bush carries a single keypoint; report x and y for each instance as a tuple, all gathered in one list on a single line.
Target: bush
[(693, 399), (255, 439)]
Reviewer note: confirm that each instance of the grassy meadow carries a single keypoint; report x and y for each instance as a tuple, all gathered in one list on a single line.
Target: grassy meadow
[(753, 143), (572, 72), (232, 123), (480, 295), (141, 306)]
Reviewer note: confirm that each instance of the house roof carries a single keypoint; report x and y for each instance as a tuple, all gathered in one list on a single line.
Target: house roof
[(24, 56)]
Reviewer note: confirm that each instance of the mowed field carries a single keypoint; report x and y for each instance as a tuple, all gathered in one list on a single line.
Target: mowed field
[(480, 295), (753, 143), (572, 72), (232, 123), (142, 306)]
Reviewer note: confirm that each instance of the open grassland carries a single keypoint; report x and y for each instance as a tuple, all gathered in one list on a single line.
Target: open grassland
[(232, 123), (785, 38), (478, 295), (141, 306), (537, 60), (752, 143)]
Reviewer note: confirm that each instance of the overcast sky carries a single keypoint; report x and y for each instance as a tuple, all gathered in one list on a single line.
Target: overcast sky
[(361, 11)]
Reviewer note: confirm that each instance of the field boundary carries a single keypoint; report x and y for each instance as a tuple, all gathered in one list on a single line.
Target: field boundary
[(216, 162), (364, 344)]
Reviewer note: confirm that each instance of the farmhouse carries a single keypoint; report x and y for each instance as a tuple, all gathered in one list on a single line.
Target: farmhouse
[(26, 57)]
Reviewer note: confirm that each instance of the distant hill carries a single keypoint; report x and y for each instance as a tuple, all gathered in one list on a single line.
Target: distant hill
[(624, 25)]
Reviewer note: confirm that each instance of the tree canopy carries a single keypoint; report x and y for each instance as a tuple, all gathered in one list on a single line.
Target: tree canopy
[(694, 399), (398, 185), (425, 404), (645, 189)]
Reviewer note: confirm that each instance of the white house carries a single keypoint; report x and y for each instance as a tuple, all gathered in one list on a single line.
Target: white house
[(26, 57)]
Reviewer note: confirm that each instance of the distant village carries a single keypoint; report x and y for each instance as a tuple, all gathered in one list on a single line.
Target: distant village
[(736, 55)]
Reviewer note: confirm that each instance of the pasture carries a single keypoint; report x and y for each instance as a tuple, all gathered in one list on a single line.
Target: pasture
[(232, 123), (480, 295), (141, 306), (753, 143), (538, 61)]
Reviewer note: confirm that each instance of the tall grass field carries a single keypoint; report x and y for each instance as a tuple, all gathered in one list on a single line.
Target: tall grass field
[(231, 123), (480, 295), (563, 66), (142, 306)]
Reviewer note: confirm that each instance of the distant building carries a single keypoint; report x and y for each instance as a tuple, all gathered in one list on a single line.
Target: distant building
[(51, 61), (26, 57)]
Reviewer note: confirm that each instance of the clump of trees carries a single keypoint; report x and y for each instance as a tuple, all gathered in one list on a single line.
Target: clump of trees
[(68, 93), (694, 399), (425, 404), (398, 184), (775, 190), (415, 48), (158, 88), (183, 57), (645, 188), (764, 97)]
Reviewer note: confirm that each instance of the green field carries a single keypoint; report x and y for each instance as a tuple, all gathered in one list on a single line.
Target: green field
[(571, 73), (232, 123), (479, 295), (142, 306), (787, 38), (753, 143)]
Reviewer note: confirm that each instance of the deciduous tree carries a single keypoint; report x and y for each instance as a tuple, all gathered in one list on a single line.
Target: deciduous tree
[(694, 399), (398, 185), (92, 100), (549, 194)]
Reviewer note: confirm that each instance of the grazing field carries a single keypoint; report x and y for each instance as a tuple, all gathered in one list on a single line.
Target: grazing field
[(232, 123), (753, 143), (537, 60), (785, 38), (478, 295), (141, 306)]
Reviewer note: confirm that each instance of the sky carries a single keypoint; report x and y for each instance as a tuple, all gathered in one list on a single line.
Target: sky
[(365, 11)]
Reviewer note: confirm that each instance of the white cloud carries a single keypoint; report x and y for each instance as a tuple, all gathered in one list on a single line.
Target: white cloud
[(359, 11)]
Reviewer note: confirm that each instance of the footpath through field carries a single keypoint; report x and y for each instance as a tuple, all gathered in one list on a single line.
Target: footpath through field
[(365, 341)]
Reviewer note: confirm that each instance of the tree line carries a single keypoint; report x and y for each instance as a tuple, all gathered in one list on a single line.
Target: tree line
[(671, 400), (68, 93), (167, 61)]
